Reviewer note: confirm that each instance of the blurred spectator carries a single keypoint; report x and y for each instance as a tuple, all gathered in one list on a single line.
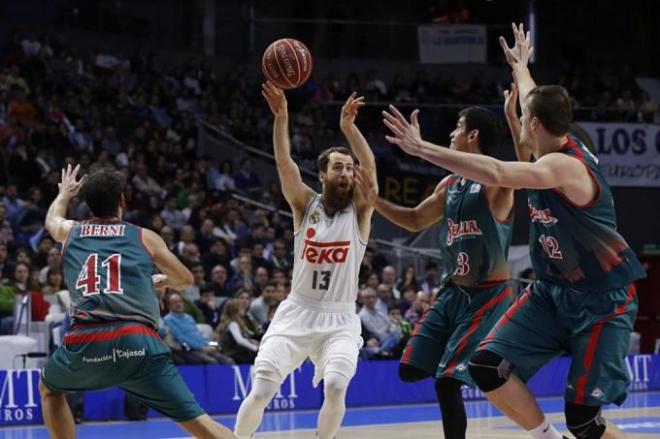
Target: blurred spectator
[(219, 282), (403, 327), (243, 277), (430, 277), (377, 323), (408, 279), (53, 263), (235, 335), (6, 268), (408, 296), (260, 306), (218, 254), (224, 181), (193, 292), (6, 233), (13, 205), (172, 216), (388, 277), (280, 258), (385, 298), (195, 347), (246, 179), (209, 305), (421, 305)]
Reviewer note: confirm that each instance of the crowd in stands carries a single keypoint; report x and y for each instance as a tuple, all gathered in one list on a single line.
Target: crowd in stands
[(58, 107)]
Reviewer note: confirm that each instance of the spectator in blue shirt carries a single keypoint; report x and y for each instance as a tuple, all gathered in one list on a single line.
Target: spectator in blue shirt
[(195, 347)]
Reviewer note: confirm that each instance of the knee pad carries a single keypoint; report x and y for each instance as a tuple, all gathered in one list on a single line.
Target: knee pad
[(584, 421), (489, 370), (411, 374)]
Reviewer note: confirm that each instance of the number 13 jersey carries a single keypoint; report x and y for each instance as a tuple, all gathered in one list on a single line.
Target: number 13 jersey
[(328, 253)]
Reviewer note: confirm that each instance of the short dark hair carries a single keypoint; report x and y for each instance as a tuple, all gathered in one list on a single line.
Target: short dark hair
[(205, 288), (102, 192), (490, 130), (324, 158), (551, 104)]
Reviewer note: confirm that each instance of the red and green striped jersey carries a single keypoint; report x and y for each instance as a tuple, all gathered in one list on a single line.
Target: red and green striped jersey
[(579, 246), (108, 271), (474, 245)]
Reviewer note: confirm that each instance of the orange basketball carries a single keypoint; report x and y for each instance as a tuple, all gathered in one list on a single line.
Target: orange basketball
[(287, 63)]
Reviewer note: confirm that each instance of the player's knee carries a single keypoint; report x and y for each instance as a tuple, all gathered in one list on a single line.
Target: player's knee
[(584, 421), (489, 370), (44, 390), (335, 386), (411, 374)]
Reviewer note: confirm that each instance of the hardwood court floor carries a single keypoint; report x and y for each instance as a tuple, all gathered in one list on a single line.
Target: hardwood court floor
[(639, 418)]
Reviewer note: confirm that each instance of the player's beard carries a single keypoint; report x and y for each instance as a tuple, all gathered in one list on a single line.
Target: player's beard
[(336, 198)]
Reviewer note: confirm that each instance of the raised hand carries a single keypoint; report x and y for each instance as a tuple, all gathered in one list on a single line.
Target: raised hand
[(366, 186), (405, 134), (350, 110), (518, 55), (69, 187), (275, 98), (511, 101)]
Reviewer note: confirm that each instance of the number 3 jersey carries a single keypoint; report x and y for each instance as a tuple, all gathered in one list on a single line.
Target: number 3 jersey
[(328, 252), (108, 271), (473, 244), (579, 246)]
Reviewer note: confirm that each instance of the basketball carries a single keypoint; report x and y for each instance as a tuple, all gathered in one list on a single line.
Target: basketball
[(287, 63)]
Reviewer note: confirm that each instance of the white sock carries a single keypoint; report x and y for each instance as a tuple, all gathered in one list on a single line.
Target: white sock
[(545, 431), (334, 405), (252, 410)]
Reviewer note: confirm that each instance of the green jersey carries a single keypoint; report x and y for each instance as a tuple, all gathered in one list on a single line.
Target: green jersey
[(473, 243), (108, 272)]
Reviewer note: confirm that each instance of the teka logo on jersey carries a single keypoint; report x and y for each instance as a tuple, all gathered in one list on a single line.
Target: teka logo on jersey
[(541, 216), (464, 228), (335, 252), (281, 400), (17, 396)]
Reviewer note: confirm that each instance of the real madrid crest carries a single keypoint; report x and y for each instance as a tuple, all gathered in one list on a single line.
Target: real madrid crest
[(315, 217)]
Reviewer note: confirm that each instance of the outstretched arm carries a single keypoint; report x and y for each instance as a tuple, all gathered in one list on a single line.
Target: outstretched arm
[(551, 171), (295, 191), (414, 219), (358, 143), (56, 223)]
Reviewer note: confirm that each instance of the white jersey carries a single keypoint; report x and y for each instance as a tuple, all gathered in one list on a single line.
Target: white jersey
[(328, 252)]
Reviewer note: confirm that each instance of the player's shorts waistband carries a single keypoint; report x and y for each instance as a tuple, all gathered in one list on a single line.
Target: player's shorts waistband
[(321, 305), (82, 333), (480, 286)]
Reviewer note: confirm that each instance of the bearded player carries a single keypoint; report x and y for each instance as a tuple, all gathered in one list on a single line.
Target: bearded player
[(318, 318)]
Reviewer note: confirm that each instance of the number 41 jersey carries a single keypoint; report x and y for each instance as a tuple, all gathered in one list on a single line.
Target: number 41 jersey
[(328, 252), (578, 246), (108, 273)]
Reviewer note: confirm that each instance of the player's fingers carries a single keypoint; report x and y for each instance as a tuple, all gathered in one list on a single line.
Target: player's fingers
[(74, 174), (531, 51), (392, 140), (397, 113), (414, 118), (395, 129), (504, 44), (393, 120)]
